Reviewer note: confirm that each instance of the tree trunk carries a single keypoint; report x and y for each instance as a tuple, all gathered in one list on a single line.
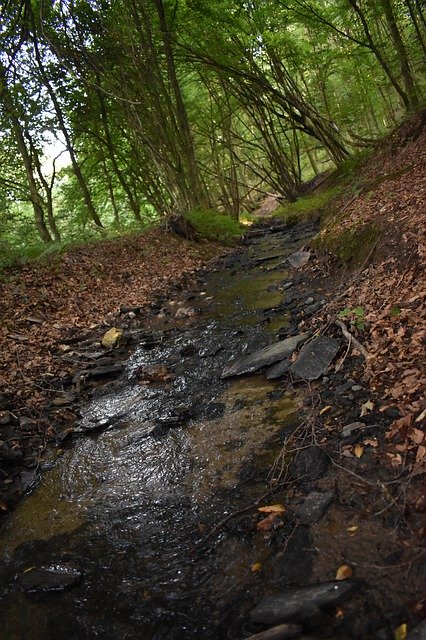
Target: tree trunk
[(402, 54), (36, 199)]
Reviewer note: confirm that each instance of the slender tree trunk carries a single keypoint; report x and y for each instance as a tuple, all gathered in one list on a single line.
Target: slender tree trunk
[(134, 205), (195, 186), (402, 54), (36, 200), (414, 18), (61, 122), (378, 55)]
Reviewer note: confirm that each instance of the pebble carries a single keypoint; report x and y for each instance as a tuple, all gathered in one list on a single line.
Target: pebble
[(49, 579), (356, 388), (348, 429)]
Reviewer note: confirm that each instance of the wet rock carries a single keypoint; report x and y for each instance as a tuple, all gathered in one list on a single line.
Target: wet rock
[(350, 429), (314, 507), (5, 418), (315, 358), (418, 633), (286, 286), (104, 372), (185, 312), (310, 464), (64, 400), (49, 579), (281, 632), (279, 369), (299, 258), (343, 388), (210, 351), (27, 479), (188, 350), (299, 604), (268, 355), (9, 455)]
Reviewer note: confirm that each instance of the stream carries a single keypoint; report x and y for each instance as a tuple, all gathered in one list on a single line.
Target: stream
[(126, 506)]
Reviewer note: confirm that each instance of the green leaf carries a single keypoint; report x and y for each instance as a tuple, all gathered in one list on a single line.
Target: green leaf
[(344, 313), (359, 312), (360, 325)]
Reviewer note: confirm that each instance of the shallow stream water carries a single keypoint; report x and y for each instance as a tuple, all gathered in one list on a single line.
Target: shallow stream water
[(127, 506)]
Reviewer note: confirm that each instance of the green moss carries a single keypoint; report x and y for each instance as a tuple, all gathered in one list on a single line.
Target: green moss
[(351, 246), (213, 225), (305, 208)]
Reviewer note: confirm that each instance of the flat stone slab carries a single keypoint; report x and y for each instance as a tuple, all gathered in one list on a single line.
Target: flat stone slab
[(278, 369), (282, 632), (315, 358), (45, 579), (298, 604), (263, 357), (314, 507)]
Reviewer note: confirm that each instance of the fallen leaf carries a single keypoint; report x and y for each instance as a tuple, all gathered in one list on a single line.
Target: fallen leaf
[(352, 529), (111, 338), (358, 450), (28, 569), (325, 409), (372, 442), (400, 632), (270, 522), (256, 567), (344, 572), (366, 408), (272, 508), (3, 506)]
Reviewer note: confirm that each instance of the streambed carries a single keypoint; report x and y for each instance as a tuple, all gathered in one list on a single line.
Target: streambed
[(127, 506)]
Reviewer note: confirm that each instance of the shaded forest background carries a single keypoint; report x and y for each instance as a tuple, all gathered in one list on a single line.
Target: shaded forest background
[(116, 114)]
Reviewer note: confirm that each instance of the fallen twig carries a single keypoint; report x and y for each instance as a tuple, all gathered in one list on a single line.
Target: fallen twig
[(363, 351)]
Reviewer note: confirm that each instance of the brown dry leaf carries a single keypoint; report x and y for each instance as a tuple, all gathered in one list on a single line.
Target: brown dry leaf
[(358, 450), (325, 409), (372, 442), (3, 506), (270, 522), (256, 567), (344, 572), (352, 530), (416, 435), (272, 508)]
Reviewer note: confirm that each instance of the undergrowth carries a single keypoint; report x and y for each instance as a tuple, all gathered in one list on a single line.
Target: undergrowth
[(213, 225), (304, 208)]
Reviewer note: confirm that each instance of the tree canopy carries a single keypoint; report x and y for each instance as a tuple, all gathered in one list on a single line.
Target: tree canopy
[(160, 107)]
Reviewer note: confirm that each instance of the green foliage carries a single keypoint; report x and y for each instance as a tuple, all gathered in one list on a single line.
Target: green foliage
[(356, 316), (213, 225), (306, 207)]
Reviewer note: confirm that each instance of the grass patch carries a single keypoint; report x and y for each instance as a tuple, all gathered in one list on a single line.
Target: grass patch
[(215, 226), (304, 208)]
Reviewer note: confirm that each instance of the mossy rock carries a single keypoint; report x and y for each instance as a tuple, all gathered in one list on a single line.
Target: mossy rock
[(351, 246)]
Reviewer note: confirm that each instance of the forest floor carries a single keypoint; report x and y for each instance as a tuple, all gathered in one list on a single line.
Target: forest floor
[(364, 270)]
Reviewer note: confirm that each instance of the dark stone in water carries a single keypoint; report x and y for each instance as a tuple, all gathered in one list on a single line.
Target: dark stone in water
[(279, 369), (299, 604), (315, 358), (263, 357), (49, 579), (314, 507)]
